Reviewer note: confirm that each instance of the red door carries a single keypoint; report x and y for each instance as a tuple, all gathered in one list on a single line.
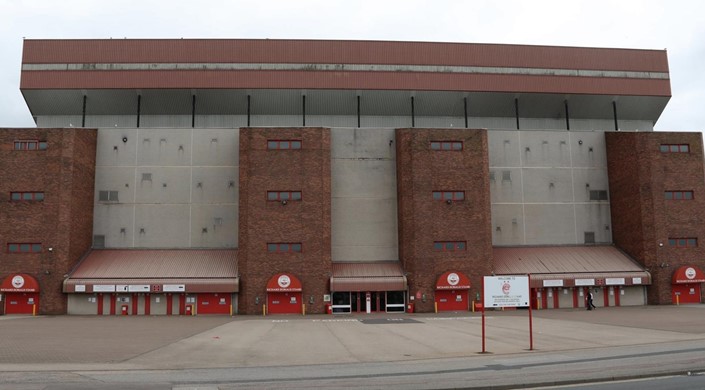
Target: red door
[(21, 303), (213, 303), (284, 302), (685, 293), (452, 300)]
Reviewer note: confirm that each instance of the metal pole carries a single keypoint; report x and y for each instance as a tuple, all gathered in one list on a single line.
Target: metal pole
[(531, 327)]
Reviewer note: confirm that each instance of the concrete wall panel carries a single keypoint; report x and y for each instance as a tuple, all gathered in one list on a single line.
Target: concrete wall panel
[(162, 226), (214, 226), (549, 224), (216, 147), (510, 221), (110, 220), (364, 194)]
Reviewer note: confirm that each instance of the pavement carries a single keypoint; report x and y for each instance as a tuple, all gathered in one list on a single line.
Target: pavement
[(56, 343)]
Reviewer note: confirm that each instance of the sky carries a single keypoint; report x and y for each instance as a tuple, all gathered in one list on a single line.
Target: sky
[(676, 25)]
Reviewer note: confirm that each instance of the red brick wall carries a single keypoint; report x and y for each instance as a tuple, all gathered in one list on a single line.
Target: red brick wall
[(307, 221), (639, 174), (65, 172), (422, 220)]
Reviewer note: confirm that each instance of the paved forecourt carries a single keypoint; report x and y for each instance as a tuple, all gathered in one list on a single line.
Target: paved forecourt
[(114, 343)]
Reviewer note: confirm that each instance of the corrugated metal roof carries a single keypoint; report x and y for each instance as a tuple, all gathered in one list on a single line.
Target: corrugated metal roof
[(569, 263), (368, 276), (157, 264), (569, 259)]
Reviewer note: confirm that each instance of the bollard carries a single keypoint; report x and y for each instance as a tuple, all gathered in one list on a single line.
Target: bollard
[(473, 306), (678, 300), (264, 310), (231, 310), (435, 307), (34, 310), (303, 309)]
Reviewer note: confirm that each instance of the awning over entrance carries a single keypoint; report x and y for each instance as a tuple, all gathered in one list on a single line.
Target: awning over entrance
[(284, 283), (688, 274), (155, 271), (453, 280), (19, 283), (368, 276), (570, 266)]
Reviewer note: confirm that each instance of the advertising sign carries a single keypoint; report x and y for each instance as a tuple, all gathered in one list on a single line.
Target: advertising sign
[(506, 291)]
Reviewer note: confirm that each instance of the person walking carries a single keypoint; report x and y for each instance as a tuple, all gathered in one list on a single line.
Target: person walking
[(590, 305)]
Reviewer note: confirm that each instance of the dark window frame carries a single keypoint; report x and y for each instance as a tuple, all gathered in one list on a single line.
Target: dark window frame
[(29, 145), (288, 196), (16, 248), (444, 196), (450, 246), (447, 146), (32, 194), (674, 148), (679, 195), (284, 144), (284, 247), (683, 242)]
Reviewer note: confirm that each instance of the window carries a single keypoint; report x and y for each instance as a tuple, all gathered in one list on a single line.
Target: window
[(107, 196), (26, 196), (453, 196), (30, 145), (284, 247), (449, 246), (598, 195), (284, 144), (683, 242), (279, 196), (24, 248), (675, 148), (678, 195), (447, 145)]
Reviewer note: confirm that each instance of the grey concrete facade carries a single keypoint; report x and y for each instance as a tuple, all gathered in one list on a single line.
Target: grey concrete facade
[(168, 188)]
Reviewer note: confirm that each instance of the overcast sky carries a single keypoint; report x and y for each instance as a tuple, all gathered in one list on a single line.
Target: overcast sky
[(678, 26)]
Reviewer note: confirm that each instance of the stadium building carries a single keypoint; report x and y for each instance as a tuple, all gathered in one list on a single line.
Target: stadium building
[(170, 177)]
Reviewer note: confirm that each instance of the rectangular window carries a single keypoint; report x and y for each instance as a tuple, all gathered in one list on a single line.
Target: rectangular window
[(26, 196), (675, 148), (598, 195), (30, 145), (678, 195), (453, 196), (24, 248), (278, 196), (688, 242), (293, 144), (449, 246), (447, 145), (107, 196), (284, 247)]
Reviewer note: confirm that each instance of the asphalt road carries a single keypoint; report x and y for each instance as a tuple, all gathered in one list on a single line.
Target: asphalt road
[(384, 352)]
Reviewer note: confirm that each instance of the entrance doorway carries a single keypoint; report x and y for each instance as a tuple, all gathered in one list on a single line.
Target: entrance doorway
[(21, 294), (685, 293), (344, 302), (284, 293)]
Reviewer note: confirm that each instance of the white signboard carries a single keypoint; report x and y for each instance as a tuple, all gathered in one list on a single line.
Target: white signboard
[(80, 288), (122, 288), (174, 288), (103, 288), (506, 291), (584, 282), (138, 288), (636, 280), (614, 281), (553, 283)]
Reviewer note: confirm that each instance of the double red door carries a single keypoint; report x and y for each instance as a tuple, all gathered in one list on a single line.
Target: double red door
[(21, 303), (685, 293), (452, 300), (284, 302)]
